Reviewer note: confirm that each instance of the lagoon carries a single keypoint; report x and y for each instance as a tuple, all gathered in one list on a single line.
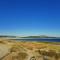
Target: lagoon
[(39, 39)]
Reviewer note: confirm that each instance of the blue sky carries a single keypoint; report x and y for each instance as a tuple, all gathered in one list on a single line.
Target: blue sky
[(30, 17)]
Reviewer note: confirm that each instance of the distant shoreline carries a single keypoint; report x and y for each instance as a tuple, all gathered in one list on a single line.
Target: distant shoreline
[(36, 39)]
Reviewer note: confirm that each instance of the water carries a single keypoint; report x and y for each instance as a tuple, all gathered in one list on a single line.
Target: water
[(40, 39)]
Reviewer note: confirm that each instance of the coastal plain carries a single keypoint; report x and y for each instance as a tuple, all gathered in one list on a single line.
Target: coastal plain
[(28, 50)]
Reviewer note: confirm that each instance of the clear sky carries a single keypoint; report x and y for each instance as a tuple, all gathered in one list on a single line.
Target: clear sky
[(30, 17)]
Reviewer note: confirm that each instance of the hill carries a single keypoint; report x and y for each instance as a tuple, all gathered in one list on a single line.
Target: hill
[(42, 36)]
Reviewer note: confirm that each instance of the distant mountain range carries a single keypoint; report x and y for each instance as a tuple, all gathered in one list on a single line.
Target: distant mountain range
[(41, 36), (4, 36)]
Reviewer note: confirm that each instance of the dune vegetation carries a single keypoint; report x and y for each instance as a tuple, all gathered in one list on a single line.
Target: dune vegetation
[(24, 50)]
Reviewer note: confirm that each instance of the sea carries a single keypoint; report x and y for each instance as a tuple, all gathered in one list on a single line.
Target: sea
[(39, 39)]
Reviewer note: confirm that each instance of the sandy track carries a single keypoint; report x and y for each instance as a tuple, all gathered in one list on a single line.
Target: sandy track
[(4, 49)]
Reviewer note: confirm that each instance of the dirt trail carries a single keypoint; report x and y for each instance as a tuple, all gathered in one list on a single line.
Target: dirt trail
[(4, 49)]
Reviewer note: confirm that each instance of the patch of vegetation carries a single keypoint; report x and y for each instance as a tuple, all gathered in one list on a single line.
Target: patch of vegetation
[(14, 48), (50, 53), (20, 56), (2, 42)]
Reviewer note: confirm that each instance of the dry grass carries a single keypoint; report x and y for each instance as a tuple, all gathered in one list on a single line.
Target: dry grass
[(18, 50)]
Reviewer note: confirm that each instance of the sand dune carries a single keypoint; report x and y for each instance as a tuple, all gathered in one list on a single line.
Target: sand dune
[(14, 50)]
